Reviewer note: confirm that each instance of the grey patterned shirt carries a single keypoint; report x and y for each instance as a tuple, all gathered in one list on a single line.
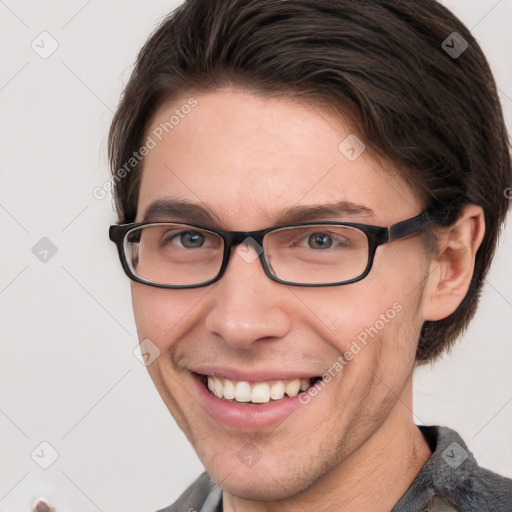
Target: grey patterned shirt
[(450, 481)]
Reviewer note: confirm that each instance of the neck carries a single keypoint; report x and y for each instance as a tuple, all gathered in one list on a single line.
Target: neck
[(374, 477)]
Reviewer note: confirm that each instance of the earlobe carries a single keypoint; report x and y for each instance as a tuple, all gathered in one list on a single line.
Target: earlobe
[(452, 264)]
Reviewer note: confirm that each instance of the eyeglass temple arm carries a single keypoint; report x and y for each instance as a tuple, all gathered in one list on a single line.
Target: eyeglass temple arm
[(408, 227)]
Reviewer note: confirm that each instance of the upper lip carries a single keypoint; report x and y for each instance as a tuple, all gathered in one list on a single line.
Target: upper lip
[(253, 375)]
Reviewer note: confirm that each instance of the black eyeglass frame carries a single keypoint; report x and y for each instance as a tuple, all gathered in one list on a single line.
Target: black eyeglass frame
[(376, 236)]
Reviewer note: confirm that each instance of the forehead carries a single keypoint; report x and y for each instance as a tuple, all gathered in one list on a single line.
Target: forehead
[(248, 158)]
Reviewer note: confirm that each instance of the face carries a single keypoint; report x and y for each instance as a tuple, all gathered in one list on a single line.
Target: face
[(253, 162)]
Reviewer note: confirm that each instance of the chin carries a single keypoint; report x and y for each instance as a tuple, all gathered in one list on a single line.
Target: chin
[(252, 488), (262, 482)]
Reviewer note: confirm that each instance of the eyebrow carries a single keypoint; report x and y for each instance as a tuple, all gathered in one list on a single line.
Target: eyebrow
[(175, 209)]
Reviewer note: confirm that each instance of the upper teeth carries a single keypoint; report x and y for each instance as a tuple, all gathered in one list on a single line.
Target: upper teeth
[(256, 392)]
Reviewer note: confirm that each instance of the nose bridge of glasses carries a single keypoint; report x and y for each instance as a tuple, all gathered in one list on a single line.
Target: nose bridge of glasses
[(235, 238), (253, 239), (242, 242)]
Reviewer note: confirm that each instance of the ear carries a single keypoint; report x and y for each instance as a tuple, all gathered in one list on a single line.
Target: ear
[(451, 267)]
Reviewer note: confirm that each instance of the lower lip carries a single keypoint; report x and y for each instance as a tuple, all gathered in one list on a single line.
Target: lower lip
[(245, 416)]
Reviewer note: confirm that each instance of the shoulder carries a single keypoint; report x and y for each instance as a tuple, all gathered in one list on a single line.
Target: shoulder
[(492, 489), (194, 497), (453, 480)]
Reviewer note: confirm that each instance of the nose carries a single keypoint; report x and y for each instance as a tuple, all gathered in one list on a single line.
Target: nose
[(249, 307)]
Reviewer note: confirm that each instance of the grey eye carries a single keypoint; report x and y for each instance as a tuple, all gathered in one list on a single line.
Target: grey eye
[(191, 239), (319, 241)]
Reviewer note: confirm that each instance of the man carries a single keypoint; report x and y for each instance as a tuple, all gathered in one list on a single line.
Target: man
[(309, 197)]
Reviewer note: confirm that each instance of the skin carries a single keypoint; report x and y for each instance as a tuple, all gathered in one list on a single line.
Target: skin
[(355, 445)]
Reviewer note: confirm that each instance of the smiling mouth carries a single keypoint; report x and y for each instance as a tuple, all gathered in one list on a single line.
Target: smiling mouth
[(256, 393)]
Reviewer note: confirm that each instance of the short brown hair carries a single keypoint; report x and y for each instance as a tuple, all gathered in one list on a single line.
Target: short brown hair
[(380, 63)]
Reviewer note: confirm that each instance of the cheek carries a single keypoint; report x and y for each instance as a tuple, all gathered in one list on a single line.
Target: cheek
[(376, 319), (343, 313), (161, 314)]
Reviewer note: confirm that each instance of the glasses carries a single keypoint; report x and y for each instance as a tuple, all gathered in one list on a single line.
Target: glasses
[(182, 255)]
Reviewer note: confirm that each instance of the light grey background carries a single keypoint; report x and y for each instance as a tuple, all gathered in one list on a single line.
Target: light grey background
[(68, 374)]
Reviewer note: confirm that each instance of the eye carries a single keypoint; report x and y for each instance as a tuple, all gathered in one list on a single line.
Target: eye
[(191, 239), (319, 241)]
